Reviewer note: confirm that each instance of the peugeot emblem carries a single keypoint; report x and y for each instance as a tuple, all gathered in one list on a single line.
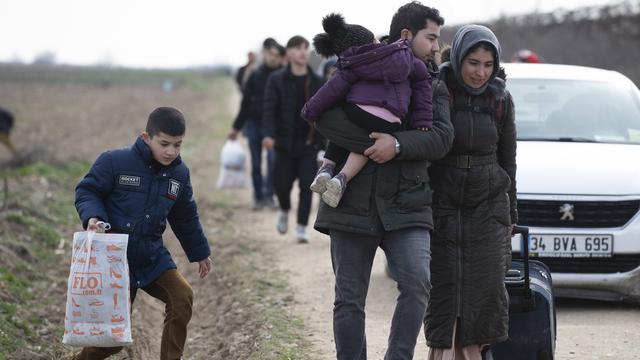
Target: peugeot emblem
[(567, 212)]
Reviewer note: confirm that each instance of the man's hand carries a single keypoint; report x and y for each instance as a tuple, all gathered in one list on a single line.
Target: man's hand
[(268, 142), (233, 135), (384, 148), (204, 267), (92, 225)]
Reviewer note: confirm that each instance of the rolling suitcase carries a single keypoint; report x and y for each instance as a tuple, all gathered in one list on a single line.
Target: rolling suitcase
[(532, 313)]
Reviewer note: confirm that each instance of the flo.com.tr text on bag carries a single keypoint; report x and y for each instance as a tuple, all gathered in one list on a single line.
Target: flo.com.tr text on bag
[(98, 307)]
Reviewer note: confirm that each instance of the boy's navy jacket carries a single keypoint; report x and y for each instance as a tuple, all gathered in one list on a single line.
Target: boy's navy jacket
[(129, 189)]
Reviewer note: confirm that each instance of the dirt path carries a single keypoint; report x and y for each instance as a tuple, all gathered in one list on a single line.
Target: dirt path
[(585, 330), (597, 330), (308, 267)]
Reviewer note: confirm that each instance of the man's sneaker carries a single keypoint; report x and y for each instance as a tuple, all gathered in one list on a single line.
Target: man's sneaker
[(301, 234), (335, 189), (283, 222), (269, 203), (319, 184), (257, 205)]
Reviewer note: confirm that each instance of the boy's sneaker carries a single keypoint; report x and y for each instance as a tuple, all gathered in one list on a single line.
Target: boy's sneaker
[(301, 234), (319, 184), (335, 189), (283, 222)]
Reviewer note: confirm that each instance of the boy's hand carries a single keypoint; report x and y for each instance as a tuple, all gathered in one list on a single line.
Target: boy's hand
[(204, 267), (384, 148), (92, 225)]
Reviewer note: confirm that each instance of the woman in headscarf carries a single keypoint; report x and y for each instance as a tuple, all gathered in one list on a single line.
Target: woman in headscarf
[(474, 204)]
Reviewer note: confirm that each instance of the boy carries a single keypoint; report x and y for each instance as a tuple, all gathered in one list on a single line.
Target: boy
[(137, 189)]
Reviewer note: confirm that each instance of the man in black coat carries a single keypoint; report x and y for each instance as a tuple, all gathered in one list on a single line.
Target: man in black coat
[(296, 144), (250, 118), (246, 70), (387, 205)]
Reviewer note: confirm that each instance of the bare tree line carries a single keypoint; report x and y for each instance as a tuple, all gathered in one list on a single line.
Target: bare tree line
[(602, 36)]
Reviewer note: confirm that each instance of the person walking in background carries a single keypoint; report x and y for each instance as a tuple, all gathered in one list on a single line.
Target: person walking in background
[(295, 142), (245, 71), (372, 99), (250, 118), (329, 67), (285, 59), (326, 70), (6, 124), (474, 204)]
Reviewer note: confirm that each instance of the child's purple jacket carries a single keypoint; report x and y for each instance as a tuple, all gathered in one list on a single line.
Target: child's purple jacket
[(384, 75)]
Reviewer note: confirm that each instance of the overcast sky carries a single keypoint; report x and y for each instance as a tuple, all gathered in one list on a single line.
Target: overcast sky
[(162, 33)]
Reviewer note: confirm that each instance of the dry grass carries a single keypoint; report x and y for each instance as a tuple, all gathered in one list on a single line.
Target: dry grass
[(64, 119)]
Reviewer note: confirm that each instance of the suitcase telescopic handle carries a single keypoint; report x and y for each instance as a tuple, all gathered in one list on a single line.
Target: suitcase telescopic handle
[(524, 246)]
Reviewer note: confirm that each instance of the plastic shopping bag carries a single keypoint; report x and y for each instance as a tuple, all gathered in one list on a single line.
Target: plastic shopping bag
[(232, 168), (98, 306)]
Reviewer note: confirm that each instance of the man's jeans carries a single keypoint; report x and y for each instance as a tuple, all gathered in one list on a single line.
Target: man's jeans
[(409, 255), (262, 187)]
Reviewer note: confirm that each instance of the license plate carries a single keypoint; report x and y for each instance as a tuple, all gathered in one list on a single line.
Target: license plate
[(570, 245)]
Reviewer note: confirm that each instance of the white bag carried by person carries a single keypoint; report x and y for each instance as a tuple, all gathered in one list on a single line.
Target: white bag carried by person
[(98, 306), (232, 166)]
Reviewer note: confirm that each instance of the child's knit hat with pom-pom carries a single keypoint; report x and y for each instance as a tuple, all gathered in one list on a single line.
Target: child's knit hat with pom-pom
[(340, 36)]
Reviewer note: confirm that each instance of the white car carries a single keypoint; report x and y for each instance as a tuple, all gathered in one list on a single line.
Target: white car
[(578, 176)]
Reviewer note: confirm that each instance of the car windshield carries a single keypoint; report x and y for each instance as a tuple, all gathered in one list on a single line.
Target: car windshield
[(572, 110)]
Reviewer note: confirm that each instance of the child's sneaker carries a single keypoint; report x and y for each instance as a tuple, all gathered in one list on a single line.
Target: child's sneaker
[(335, 189), (319, 184)]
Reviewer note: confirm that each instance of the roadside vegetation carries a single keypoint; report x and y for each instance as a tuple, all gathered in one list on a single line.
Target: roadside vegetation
[(64, 118)]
